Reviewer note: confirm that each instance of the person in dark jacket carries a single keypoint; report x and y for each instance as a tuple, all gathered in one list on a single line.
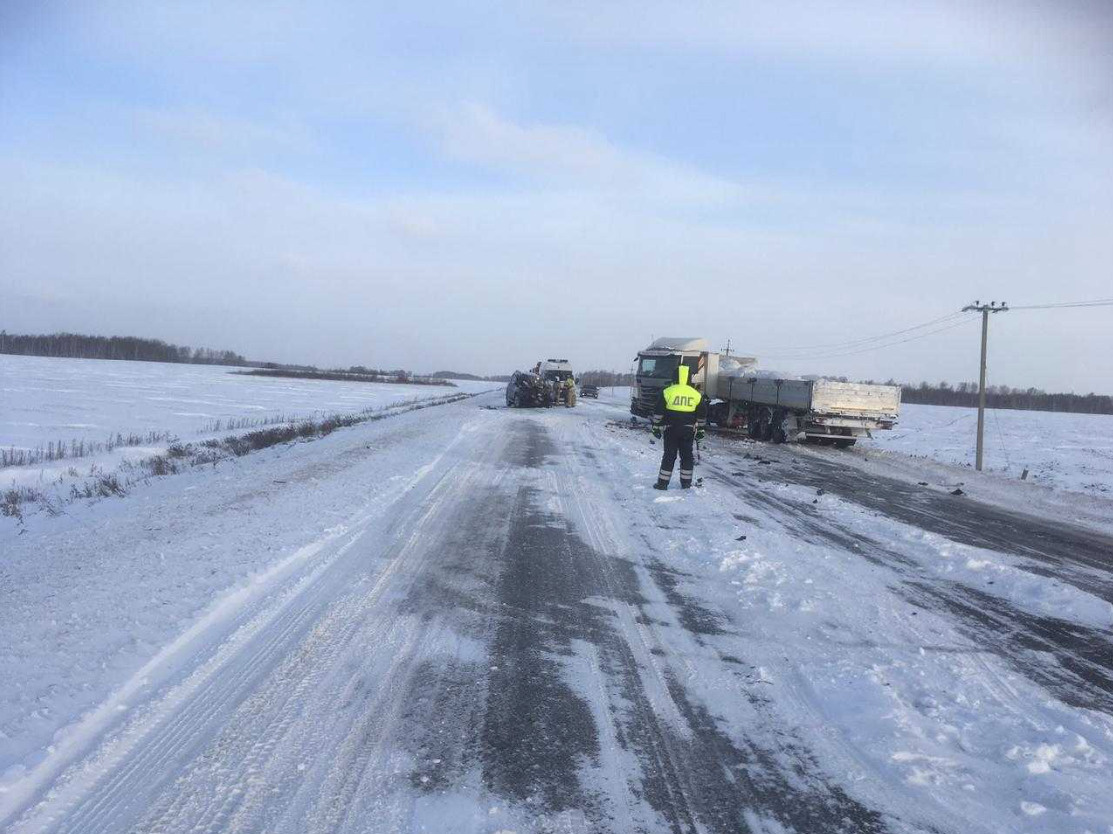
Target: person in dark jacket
[(681, 410)]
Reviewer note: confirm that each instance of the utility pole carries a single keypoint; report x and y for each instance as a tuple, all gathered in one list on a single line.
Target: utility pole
[(985, 310)]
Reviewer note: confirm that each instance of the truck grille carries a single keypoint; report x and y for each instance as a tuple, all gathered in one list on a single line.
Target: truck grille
[(647, 400)]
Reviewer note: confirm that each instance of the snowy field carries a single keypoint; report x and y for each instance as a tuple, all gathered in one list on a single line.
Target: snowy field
[(1065, 451), (45, 400)]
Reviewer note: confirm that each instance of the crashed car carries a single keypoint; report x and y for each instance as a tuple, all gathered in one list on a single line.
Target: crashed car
[(589, 391), (526, 391)]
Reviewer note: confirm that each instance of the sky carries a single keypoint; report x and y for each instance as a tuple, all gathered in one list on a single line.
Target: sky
[(474, 186)]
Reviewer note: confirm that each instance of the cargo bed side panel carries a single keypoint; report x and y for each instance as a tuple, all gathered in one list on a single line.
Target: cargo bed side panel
[(789, 393), (851, 398)]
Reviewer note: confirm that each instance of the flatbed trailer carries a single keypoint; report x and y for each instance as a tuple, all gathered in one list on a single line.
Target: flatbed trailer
[(811, 410), (766, 407)]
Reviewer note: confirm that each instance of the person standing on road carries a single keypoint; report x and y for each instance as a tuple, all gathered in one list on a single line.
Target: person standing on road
[(681, 410), (569, 393)]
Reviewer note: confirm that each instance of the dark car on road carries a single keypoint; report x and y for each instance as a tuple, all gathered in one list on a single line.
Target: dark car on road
[(525, 391), (589, 391)]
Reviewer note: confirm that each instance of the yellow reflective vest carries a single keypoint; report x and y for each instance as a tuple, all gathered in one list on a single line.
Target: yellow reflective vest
[(682, 397)]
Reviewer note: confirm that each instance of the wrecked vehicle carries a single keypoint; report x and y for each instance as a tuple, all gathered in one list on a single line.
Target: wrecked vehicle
[(526, 391)]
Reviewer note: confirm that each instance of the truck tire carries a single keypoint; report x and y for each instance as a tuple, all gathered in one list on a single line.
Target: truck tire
[(766, 425), (753, 428), (777, 427), (845, 443)]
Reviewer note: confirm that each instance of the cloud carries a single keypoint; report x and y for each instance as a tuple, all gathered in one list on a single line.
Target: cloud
[(213, 132), (579, 163), (568, 156), (922, 33)]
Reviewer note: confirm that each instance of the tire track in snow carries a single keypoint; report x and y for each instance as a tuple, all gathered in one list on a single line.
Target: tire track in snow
[(1082, 674), (183, 719), (699, 771)]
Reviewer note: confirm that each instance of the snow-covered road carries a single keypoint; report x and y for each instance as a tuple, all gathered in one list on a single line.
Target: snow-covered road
[(481, 620)]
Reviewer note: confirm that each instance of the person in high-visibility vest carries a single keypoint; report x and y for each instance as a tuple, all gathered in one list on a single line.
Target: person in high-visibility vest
[(681, 410), (569, 392)]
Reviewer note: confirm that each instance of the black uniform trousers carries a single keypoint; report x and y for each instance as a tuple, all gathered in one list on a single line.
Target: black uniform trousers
[(678, 441)]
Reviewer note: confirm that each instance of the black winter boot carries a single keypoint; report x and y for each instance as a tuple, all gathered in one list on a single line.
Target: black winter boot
[(661, 485)]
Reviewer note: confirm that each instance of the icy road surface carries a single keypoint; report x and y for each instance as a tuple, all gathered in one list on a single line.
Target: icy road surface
[(480, 620)]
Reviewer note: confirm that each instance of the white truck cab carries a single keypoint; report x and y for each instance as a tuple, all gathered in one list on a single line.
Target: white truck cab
[(657, 366)]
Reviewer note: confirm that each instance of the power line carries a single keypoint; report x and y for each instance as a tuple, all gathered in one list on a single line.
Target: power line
[(852, 347), (950, 325), (1097, 302), (1002, 307), (824, 346)]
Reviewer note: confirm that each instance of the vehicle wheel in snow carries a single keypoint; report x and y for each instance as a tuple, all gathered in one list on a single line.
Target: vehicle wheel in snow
[(765, 426), (777, 427), (845, 444)]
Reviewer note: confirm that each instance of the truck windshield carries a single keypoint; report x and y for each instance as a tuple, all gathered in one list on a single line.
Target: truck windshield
[(560, 375), (660, 367)]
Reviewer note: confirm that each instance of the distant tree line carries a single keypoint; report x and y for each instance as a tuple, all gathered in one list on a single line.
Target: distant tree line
[(474, 377), (606, 378), (78, 346), (1002, 396), (357, 373), (457, 375)]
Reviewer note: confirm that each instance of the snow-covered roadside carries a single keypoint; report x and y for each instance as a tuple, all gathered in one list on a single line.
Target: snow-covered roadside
[(1071, 452), (91, 596), (1093, 511), (88, 401), (1069, 458), (890, 689)]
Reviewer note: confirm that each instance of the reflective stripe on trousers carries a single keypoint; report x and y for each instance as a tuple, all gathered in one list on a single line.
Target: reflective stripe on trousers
[(678, 443)]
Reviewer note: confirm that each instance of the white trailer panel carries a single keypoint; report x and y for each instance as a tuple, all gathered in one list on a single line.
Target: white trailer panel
[(851, 398)]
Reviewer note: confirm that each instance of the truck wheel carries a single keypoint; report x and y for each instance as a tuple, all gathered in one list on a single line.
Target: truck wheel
[(717, 414), (777, 427), (845, 444), (765, 427)]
